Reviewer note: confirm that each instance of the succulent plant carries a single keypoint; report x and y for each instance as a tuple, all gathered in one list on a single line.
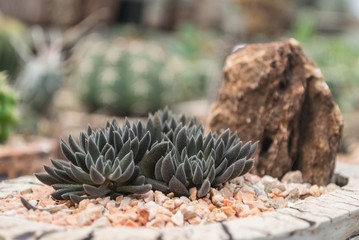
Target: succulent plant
[(164, 123), (103, 163), (169, 153), (7, 109), (198, 160)]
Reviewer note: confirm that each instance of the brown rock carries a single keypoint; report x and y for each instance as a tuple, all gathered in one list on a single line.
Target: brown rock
[(275, 94)]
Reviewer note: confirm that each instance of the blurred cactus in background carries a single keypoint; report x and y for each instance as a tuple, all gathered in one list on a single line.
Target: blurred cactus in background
[(42, 75), (13, 41), (127, 76), (122, 77), (7, 109), (337, 56)]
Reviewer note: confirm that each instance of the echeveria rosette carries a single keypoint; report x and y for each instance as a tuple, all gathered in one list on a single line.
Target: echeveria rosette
[(164, 125), (103, 163), (198, 160), (168, 153)]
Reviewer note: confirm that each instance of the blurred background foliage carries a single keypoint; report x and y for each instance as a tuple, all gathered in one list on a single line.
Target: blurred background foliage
[(88, 58), (336, 54), (134, 75)]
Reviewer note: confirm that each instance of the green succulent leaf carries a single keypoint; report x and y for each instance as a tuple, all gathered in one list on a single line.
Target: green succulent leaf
[(127, 174), (114, 176), (96, 176), (181, 175), (252, 150), (158, 185), (198, 175), (93, 149), (81, 161), (60, 164), (96, 191), (249, 164), (126, 148), (167, 168), (177, 187), (245, 150), (238, 168), (204, 189), (77, 199), (147, 165), (143, 146), (181, 140), (74, 146), (224, 177), (233, 153), (139, 189), (46, 179), (67, 152)]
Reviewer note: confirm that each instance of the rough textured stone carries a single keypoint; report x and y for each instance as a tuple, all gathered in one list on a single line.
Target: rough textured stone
[(275, 94)]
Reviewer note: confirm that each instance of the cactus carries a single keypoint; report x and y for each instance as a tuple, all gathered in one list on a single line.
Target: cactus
[(134, 76), (14, 42), (10, 61), (7, 109), (38, 83), (121, 77)]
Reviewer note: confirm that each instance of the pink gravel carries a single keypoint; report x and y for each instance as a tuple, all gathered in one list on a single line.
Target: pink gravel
[(239, 198)]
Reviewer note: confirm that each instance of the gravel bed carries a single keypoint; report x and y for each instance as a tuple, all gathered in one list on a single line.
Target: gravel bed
[(242, 197)]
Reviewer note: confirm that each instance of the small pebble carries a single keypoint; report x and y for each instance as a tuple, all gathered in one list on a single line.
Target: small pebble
[(10, 213), (178, 218), (217, 200), (332, 187), (293, 177)]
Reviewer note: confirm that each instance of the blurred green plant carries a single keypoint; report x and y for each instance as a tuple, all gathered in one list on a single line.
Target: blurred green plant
[(38, 82), (130, 75), (122, 77), (338, 58), (7, 109), (13, 39), (43, 73)]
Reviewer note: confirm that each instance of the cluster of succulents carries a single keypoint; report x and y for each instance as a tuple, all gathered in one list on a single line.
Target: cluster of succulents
[(102, 163), (133, 76), (169, 153), (7, 109), (198, 160)]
